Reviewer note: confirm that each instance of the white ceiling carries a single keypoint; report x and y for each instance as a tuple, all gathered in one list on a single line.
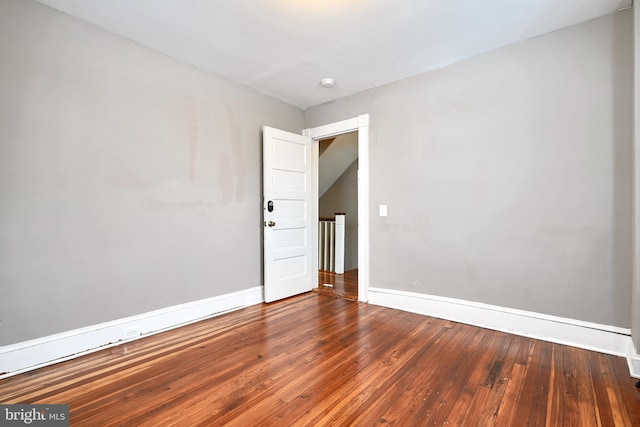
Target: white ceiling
[(284, 47)]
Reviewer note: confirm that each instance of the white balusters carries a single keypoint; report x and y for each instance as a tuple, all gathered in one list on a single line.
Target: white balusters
[(331, 238)]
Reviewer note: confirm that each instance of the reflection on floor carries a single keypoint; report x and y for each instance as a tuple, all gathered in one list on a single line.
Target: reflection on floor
[(338, 285)]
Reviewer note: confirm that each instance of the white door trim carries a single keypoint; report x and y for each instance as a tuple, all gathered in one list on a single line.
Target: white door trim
[(361, 125)]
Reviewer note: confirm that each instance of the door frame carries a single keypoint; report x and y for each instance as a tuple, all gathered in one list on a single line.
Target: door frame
[(361, 125)]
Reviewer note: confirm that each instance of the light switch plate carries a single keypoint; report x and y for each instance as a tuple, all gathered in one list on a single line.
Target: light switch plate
[(383, 210)]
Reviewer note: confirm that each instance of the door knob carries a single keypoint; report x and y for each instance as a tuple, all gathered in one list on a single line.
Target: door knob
[(271, 223)]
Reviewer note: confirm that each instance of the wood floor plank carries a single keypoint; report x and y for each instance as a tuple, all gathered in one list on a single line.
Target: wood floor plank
[(587, 407), (472, 415), (497, 380), (606, 378), (555, 411), (601, 395), (507, 412), (386, 373), (313, 362), (540, 384), (628, 392), (320, 360), (482, 343), (420, 361), (340, 375), (338, 285), (525, 399), (228, 367), (415, 391), (571, 416), (261, 378)]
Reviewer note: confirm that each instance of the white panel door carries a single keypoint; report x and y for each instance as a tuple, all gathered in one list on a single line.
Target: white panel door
[(288, 220)]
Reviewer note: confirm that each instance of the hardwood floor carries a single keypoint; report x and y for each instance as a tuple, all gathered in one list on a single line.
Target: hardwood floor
[(316, 360), (342, 285)]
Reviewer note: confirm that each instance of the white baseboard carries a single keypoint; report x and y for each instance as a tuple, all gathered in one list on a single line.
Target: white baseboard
[(32, 354), (591, 336), (633, 359)]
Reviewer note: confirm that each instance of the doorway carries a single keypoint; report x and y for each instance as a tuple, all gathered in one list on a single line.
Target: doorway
[(359, 125), (338, 216)]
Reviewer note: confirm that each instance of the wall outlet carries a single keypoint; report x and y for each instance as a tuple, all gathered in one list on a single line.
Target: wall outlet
[(130, 332)]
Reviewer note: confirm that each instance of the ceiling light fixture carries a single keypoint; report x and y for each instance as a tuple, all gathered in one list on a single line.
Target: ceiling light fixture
[(327, 82)]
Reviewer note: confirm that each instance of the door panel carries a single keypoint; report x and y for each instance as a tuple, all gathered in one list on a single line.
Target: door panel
[(287, 181)]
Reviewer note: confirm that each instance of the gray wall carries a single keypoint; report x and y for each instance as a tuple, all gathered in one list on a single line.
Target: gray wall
[(342, 196), (128, 181), (508, 176)]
